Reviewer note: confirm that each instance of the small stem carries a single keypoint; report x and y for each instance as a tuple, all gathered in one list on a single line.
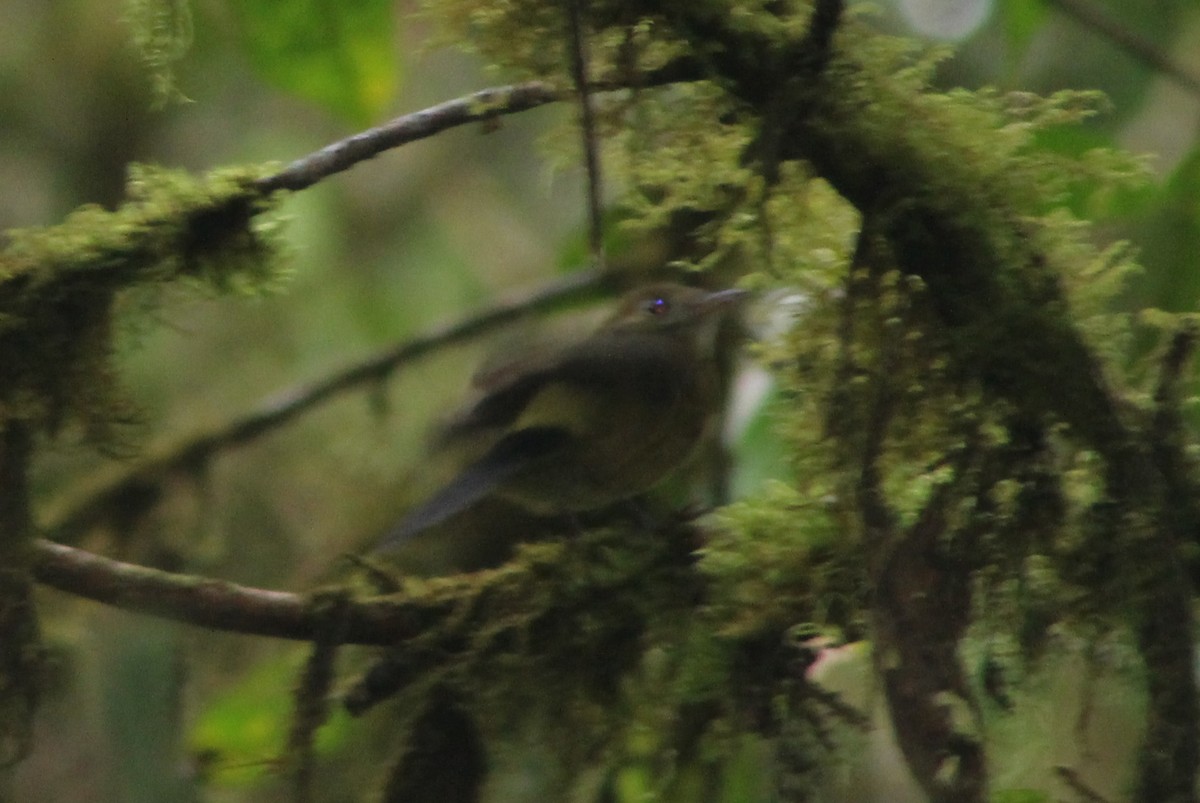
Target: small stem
[(587, 119)]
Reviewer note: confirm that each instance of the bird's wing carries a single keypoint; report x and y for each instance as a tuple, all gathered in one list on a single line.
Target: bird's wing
[(508, 456), (594, 362)]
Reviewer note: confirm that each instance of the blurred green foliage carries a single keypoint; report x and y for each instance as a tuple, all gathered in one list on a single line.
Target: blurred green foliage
[(241, 729), (1169, 231), (339, 54)]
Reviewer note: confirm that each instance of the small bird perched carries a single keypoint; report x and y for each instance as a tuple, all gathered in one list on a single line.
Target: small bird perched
[(594, 423)]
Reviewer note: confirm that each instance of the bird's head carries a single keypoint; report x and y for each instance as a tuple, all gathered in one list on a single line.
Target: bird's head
[(665, 307)]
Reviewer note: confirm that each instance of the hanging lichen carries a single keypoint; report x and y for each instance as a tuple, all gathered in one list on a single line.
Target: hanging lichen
[(162, 34), (58, 284)]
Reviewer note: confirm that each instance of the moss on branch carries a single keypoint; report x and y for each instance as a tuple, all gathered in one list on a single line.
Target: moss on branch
[(985, 318), (58, 284)]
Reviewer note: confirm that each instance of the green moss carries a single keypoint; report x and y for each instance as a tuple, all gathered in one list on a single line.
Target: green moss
[(58, 284), (162, 34), (980, 325)]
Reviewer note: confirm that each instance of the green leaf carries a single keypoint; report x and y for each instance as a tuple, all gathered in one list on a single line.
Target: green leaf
[(762, 455), (1019, 796), (1169, 236), (340, 54), (1020, 20), (245, 728)]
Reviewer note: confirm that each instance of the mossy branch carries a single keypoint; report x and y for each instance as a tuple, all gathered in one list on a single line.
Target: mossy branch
[(217, 604), (993, 283), (380, 620), (312, 694), (1164, 620), (58, 284)]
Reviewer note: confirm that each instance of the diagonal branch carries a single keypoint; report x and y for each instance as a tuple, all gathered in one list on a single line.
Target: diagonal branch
[(486, 104), (1093, 15), (136, 488), (215, 604)]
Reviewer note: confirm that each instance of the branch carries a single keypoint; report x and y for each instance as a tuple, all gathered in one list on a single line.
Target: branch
[(921, 610), (136, 488), (999, 307), (214, 604), (826, 17), (1165, 620), (21, 657), (879, 520), (587, 124), (1076, 784), (1092, 15), (585, 571), (1169, 436), (486, 104)]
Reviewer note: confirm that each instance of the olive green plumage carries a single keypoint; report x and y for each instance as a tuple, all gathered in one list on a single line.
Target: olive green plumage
[(598, 421)]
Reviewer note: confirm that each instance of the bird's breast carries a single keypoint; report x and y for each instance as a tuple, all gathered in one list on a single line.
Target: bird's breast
[(625, 436)]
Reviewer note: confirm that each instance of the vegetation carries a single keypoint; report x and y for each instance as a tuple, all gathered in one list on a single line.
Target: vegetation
[(971, 487)]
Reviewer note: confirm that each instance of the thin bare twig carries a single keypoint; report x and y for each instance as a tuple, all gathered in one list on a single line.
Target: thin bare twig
[(137, 483), (1086, 793), (213, 603), (483, 105), (486, 104), (587, 121), (1094, 16)]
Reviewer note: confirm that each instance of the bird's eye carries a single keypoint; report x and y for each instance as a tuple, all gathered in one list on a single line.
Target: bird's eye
[(658, 306)]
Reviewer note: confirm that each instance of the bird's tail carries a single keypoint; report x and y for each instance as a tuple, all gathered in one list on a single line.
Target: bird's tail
[(510, 454)]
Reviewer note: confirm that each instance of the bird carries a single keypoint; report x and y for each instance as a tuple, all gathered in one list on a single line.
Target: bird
[(593, 423)]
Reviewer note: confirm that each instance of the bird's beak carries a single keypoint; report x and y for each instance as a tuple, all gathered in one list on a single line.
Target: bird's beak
[(721, 299)]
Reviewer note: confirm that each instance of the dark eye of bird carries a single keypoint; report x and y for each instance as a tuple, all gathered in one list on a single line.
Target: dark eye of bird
[(658, 306)]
